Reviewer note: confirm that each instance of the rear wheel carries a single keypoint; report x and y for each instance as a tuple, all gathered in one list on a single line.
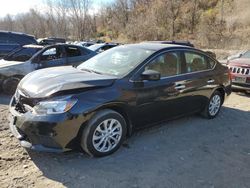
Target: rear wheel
[(9, 85), (213, 106), (104, 133)]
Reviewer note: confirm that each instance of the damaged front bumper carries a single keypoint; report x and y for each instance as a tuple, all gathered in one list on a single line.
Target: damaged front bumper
[(50, 133)]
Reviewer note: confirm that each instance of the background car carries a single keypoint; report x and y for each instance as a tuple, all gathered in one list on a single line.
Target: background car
[(240, 71), (23, 53), (11, 72), (178, 42), (12, 40), (85, 44), (98, 48), (227, 59), (50, 41), (103, 100)]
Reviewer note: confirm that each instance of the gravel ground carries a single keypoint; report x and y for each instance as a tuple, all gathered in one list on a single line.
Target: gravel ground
[(188, 152)]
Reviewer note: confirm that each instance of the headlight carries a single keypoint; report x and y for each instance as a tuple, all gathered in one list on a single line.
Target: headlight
[(54, 107)]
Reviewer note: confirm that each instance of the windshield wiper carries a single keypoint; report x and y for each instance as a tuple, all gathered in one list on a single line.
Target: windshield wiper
[(87, 70), (91, 71), (96, 72)]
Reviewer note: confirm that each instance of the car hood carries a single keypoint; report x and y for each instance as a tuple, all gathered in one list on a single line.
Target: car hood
[(45, 82), (12, 68), (245, 62), (5, 64)]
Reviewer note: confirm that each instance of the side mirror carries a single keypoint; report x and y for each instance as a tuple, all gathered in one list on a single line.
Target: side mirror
[(151, 75)]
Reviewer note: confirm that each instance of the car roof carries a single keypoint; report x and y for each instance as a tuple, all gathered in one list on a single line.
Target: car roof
[(177, 42), (16, 33), (157, 46), (99, 44), (62, 44)]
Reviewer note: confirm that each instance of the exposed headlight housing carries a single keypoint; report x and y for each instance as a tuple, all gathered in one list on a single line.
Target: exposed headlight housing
[(54, 107)]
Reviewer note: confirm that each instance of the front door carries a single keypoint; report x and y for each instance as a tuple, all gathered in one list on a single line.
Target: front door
[(52, 57), (165, 98)]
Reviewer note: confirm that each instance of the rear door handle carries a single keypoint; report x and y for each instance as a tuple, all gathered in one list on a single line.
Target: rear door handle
[(179, 87), (210, 81)]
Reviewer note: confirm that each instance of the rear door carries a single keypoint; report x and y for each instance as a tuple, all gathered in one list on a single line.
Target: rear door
[(76, 55), (200, 79)]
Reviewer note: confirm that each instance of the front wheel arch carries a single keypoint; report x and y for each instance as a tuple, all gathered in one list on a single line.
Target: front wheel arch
[(90, 126), (121, 110)]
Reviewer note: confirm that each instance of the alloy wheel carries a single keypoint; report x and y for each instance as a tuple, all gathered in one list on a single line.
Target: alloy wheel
[(214, 105), (107, 135)]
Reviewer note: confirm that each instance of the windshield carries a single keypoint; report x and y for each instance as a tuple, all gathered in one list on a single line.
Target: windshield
[(95, 47), (246, 55), (117, 61), (22, 54)]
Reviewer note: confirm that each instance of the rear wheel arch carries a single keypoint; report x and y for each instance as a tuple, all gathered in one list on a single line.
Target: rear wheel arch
[(222, 92), (213, 105)]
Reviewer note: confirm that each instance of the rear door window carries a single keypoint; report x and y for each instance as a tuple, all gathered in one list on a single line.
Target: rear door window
[(72, 51), (85, 51), (196, 62)]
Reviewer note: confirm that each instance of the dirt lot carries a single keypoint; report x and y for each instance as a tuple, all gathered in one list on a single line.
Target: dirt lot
[(189, 152)]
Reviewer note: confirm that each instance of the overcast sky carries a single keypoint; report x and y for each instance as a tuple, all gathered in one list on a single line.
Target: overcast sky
[(14, 7)]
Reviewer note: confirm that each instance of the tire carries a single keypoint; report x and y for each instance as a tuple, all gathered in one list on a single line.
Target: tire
[(10, 84), (1, 85), (213, 106), (105, 141)]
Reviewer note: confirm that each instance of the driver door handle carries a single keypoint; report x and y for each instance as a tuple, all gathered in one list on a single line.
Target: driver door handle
[(179, 87), (210, 81)]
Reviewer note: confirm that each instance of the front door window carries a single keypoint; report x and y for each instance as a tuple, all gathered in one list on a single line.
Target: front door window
[(168, 64)]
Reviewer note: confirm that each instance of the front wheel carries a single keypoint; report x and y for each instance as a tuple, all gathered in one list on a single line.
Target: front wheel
[(213, 106), (104, 133)]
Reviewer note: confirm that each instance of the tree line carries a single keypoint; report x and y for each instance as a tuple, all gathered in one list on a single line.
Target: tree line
[(201, 21)]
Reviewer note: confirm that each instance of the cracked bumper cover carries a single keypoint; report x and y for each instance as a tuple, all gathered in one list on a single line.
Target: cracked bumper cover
[(50, 133)]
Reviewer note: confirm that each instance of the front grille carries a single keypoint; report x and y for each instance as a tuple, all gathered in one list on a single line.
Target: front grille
[(239, 70), (22, 104)]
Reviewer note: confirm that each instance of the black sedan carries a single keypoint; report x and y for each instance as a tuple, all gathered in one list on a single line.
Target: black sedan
[(102, 101), (22, 54)]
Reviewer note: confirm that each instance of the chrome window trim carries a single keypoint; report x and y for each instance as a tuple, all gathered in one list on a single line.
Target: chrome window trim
[(182, 74)]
